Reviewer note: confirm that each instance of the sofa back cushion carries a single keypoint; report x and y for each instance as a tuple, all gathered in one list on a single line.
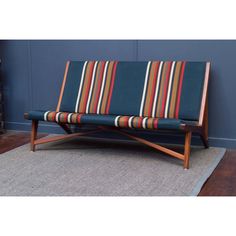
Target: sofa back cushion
[(171, 89)]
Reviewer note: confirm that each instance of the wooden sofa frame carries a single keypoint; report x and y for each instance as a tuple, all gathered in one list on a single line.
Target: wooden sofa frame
[(201, 128)]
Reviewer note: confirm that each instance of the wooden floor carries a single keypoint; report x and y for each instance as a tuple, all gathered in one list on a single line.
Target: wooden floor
[(222, 182)]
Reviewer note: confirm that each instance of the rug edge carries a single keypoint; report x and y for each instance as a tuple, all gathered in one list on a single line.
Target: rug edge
[(208, 173)]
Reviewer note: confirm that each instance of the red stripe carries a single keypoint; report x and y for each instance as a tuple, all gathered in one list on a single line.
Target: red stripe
[(165, 90), (54, 116), (155, 123), (179, 91), (140, 122), (153, 90), (65, 117), (111, 88), (99, 88), (127, 121), (123, 121), (87, 92), (79, 118)]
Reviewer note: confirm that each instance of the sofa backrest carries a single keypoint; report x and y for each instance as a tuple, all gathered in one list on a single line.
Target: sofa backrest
[(163, 89)]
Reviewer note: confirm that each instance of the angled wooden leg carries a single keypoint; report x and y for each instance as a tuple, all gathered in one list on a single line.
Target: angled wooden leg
[(204, 140), (204, 133), (148, 143), (187, 147), (204, 130), (65, 127), (33, 134)]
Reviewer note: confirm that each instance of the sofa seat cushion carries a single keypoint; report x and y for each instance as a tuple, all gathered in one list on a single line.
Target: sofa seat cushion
[(134, 122)]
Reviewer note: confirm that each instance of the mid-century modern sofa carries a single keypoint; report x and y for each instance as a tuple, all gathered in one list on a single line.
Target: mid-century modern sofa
[(118, 95)]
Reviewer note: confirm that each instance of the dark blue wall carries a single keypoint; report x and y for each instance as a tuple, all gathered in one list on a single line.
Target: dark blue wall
[(32, 72)]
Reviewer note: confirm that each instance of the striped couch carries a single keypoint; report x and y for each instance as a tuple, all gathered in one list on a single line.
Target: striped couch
[(153, 95)]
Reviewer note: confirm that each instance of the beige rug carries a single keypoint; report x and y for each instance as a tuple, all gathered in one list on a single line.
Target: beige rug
[(97, 168)]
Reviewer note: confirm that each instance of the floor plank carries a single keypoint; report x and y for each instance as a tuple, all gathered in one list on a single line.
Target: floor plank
[(222, 182), (13, 140)]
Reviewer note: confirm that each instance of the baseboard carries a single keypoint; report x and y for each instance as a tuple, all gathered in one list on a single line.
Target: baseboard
[(26, 126), (160, 137)]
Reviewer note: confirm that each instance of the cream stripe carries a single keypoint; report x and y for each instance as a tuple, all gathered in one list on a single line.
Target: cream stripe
[(103, 85), (130, 121), (144, 89), (45, 115), (91, 86), (157, 90), (69, 117), (144, 122), (116, 121), (80, 87), (169, 89), (57, 116)]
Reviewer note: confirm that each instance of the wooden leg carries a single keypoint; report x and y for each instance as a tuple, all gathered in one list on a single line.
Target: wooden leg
[(204, 131), (66, 128), (187, 147), (204, 140), (33, 134)]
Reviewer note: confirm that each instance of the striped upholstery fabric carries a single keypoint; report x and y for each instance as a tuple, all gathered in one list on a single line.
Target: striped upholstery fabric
[(154, 89), (96, 85), (118, 121), (108, 120), (136, 122), (138, 95), (62, 117), (162, 89)]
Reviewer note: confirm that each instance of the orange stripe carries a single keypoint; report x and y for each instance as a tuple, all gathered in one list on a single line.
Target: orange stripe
[(111, 88), (171, 112), (153, 87), (165, 89), (148, 89), (179, 91), (123, 121), (107, 88), (160, 96), (97, 87)]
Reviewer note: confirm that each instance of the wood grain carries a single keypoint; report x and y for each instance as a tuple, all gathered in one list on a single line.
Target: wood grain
[(13, 140), (187, 148), (154, 145), (63, 87), (204, 93)]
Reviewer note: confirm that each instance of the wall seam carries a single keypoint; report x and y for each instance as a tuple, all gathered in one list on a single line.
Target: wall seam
[(137, 50), (30, 84)]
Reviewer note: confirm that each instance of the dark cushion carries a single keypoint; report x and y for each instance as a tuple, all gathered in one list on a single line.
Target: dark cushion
[(134, 122)]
